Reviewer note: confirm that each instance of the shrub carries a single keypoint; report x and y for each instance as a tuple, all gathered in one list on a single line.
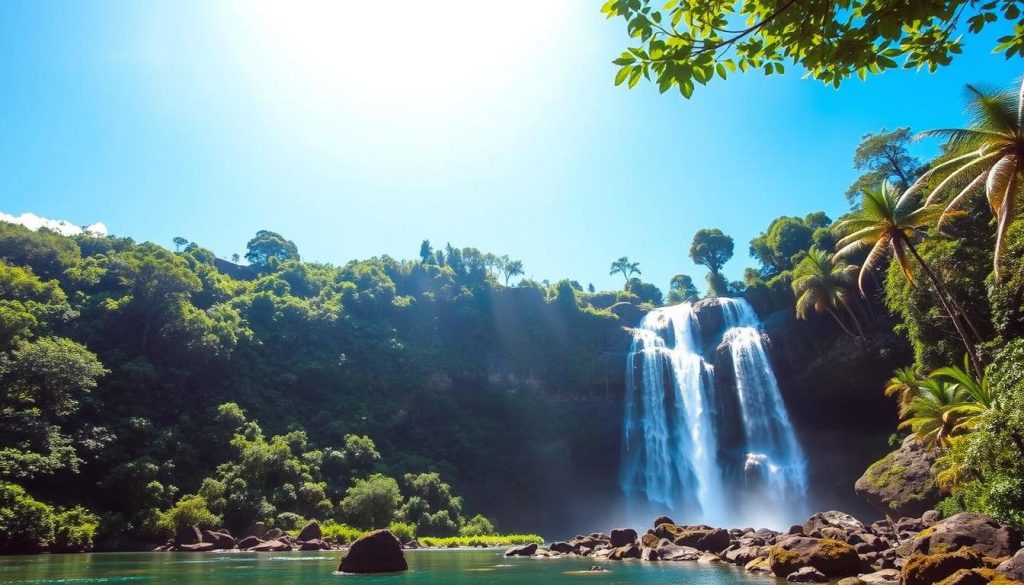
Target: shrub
[(403, 530), (74, 529), (25, 523), (477, 526), (371, 502), (340, 533), (190, 510)]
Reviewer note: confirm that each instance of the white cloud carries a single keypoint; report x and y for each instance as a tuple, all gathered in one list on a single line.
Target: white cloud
[(61, 226)]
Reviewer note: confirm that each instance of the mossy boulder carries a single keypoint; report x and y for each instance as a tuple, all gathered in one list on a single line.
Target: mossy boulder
[(901, 483), (833, 558), (705, 539), (980, 532), (930, 569)]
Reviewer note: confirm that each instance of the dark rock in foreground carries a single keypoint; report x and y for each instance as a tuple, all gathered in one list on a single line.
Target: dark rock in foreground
[(978, 531), (377, 552), (311, 532)]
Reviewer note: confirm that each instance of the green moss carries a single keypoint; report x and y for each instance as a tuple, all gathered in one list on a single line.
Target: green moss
[(885, 472), (834, 549)]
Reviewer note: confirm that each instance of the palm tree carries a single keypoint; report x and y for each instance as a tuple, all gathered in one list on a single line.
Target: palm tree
[(625, 267), (932, 413), (988, 154), (823, 285), (887, 223), (904, 385)]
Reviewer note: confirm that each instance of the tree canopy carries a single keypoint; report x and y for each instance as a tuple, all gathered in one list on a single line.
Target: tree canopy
[(683, 43)]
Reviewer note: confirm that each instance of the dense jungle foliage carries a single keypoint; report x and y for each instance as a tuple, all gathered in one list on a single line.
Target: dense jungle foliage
[(138, 383)]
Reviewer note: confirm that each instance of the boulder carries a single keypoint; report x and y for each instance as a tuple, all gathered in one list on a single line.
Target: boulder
[(629, 551), (220, 540), (806, 575), (628, 313), (313, 544), (524, 550), (930, 517), (760, 566), (273, 534), (981, 532), (197, 547), (883, 577), (673, 552), (311, 532), (901, 483), (834, 558), (850, 581), (744, 554), (832, 519), (271, 546), (1014, 566), (929, 569), (649, 554), (623, 536), (980, 576), (662, 520), (377, 552), (561, 547), (249, 542), (188, 535), (709, 539)]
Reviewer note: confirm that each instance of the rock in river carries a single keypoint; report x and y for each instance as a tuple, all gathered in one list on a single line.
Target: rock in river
[(377, 552)]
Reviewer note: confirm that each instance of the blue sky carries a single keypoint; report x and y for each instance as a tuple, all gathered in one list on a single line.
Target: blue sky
[(359, 131)]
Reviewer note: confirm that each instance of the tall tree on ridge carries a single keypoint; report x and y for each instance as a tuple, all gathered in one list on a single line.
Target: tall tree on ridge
[(624, 267)]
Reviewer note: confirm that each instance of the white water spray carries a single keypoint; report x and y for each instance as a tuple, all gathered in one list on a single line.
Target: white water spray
[(706, 446)]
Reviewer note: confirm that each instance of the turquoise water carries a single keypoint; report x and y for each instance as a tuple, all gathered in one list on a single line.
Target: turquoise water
[(430, 567)]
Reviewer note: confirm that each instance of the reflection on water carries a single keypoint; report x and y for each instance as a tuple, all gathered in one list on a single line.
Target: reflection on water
[(447, 567)]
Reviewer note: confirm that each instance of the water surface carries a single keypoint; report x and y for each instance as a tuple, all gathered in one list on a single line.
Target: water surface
[(430, 567)]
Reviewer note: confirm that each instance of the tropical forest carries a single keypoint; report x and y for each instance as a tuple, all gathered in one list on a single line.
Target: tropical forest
[(513, 294)]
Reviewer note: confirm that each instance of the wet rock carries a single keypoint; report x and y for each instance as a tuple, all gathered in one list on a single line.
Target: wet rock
[(272, 546), (622, 537), (524, 550), (806, 575), (744, 554), (901, 483), (313, 544), (249, 542), (197, 547), (649, 554), (377, 552)]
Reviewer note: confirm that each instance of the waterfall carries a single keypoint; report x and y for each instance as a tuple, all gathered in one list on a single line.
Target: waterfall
[(706, 436)]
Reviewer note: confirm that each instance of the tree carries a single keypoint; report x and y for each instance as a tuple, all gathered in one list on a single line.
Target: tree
[(887, 223), (713, 249), (179, 242), (690, 41), (426, 252), (235, 257), (785, 238), (266, 245), (624, 267), (987, 155), (372, 502), (43, 381), (645, 292), (823, 285), (946, 403), (883, 156), (681, 289), (508, 267)]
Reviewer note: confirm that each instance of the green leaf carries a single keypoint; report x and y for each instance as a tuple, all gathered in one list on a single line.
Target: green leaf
[(720, 69), (621, 75)]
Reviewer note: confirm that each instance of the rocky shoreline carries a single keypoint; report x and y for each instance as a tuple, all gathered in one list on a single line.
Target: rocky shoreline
[(965, 549)]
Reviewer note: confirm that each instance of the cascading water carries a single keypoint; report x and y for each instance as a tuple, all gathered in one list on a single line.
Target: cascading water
[(706, 435)]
